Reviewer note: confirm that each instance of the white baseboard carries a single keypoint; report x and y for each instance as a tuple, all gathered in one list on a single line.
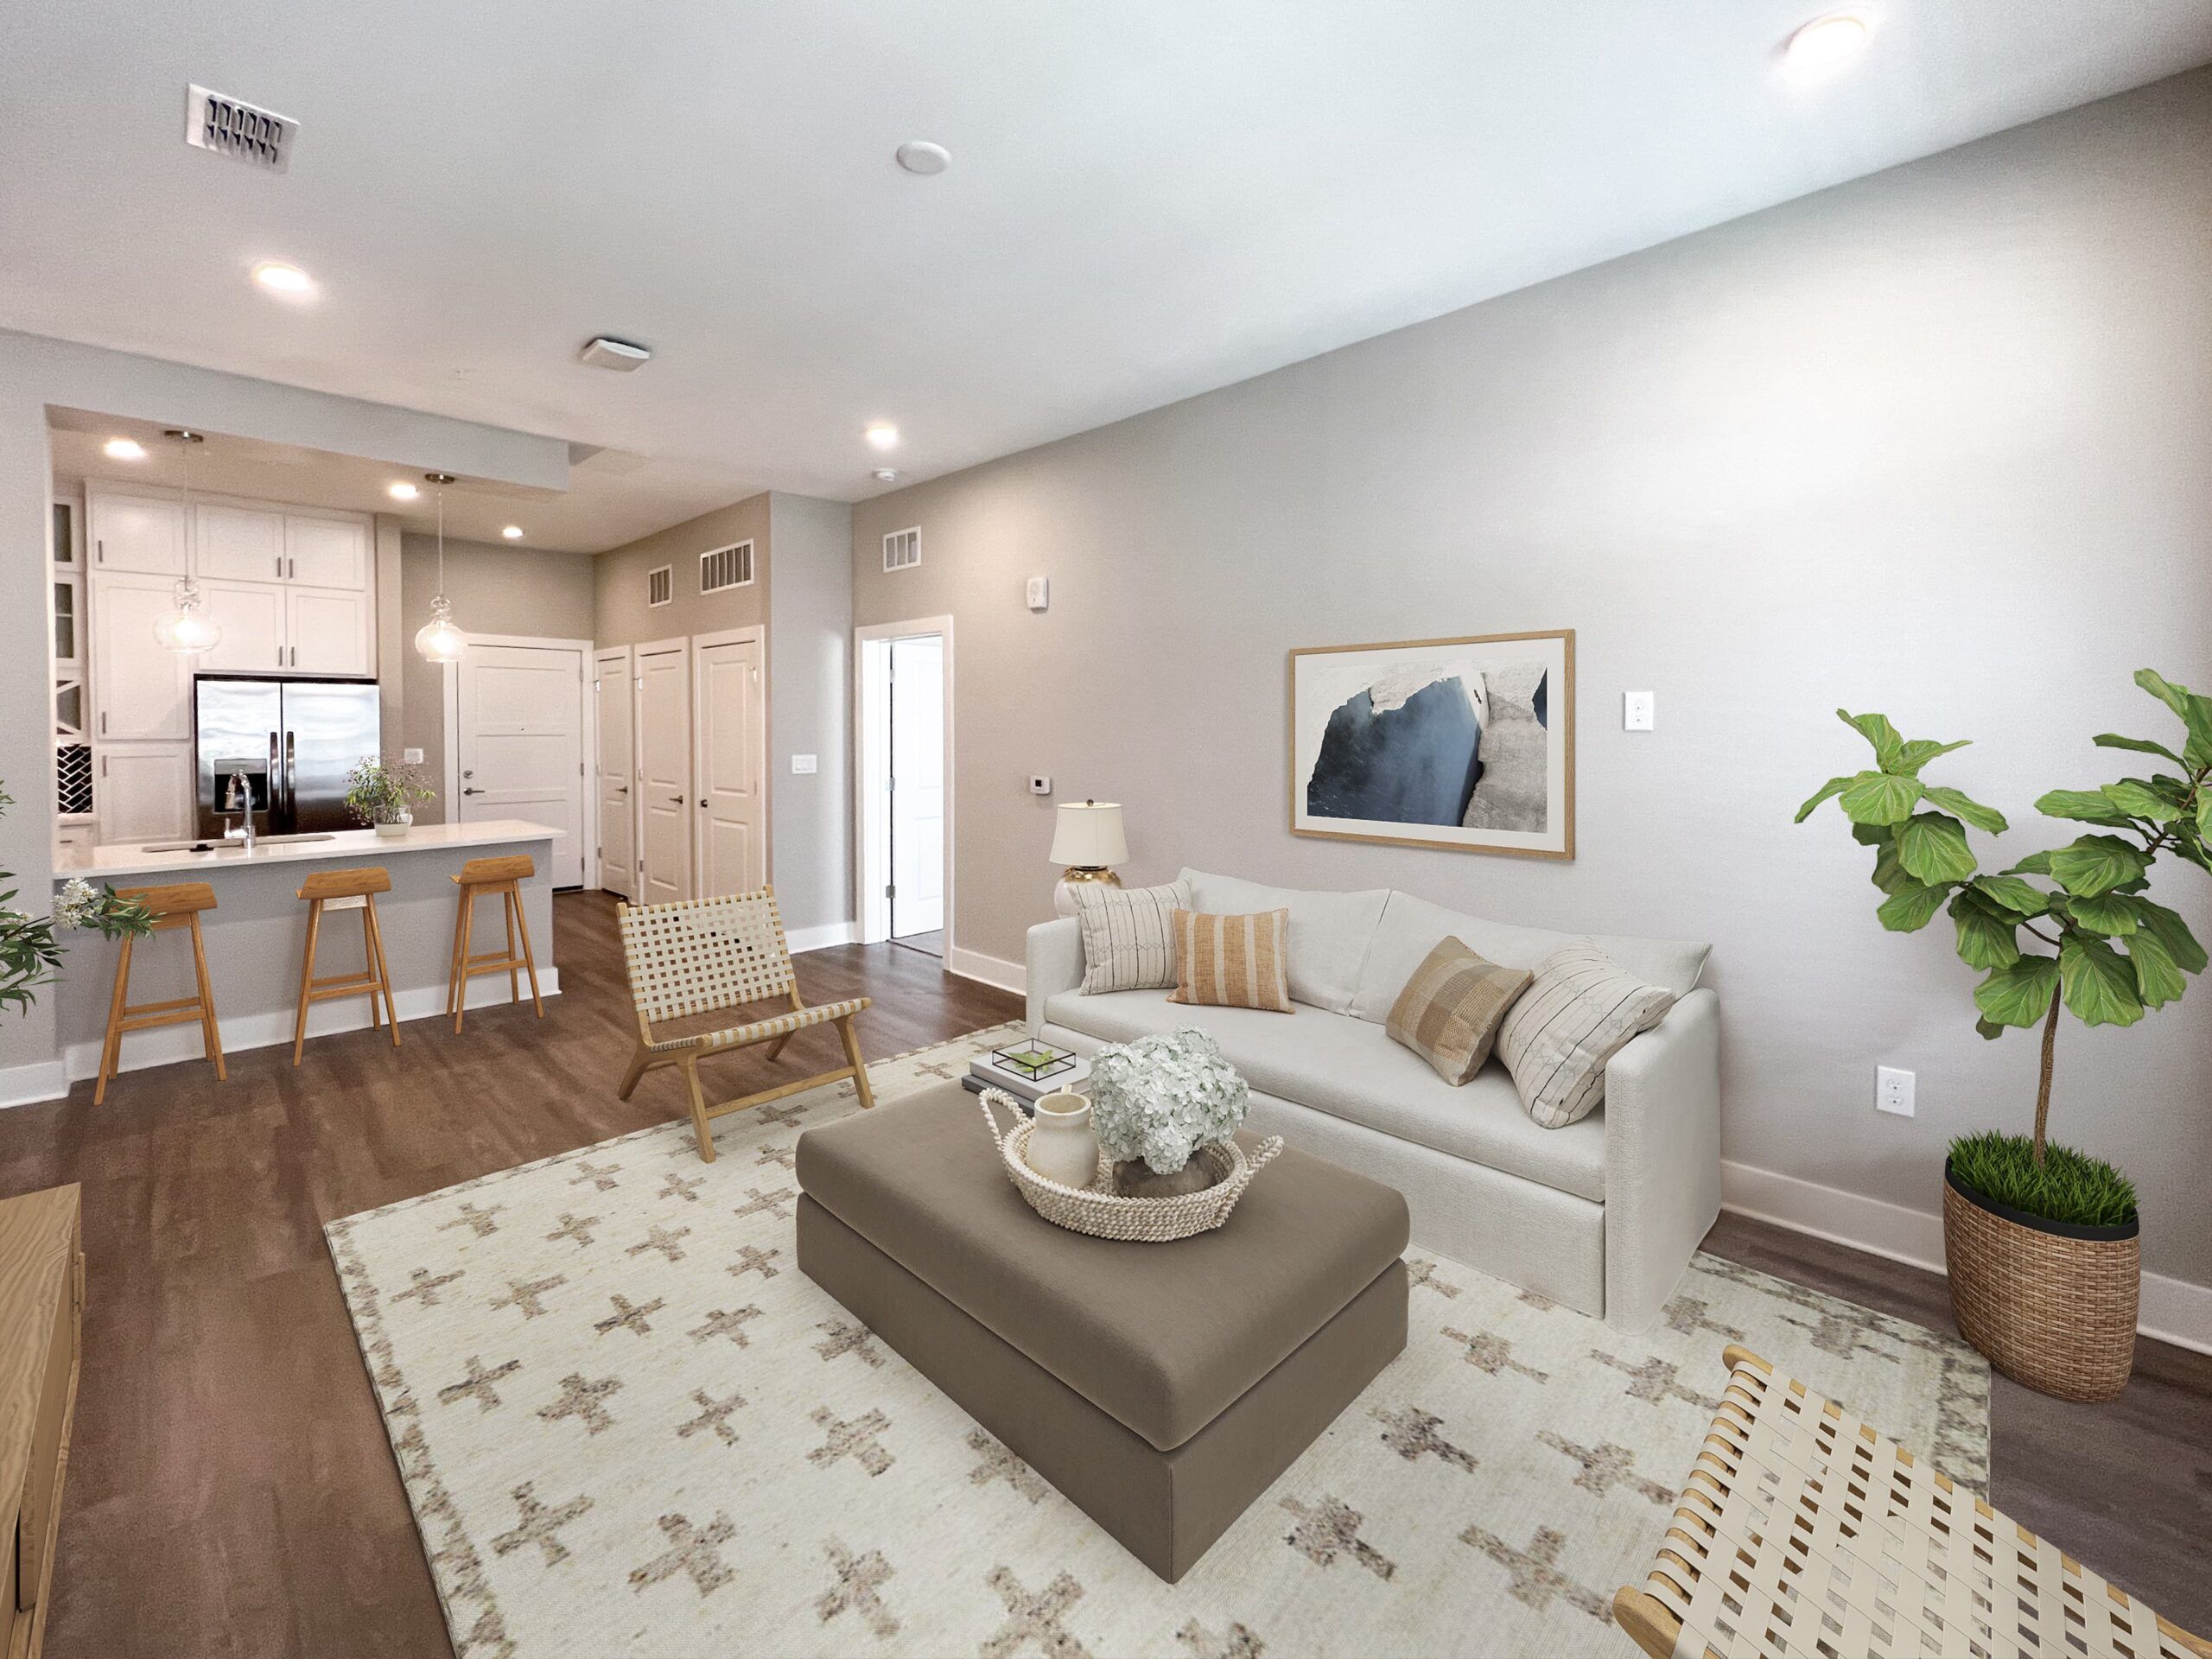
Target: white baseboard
[(991, 970), (166, 1045), (2173, 1310), (23, 1086), (802, 939)]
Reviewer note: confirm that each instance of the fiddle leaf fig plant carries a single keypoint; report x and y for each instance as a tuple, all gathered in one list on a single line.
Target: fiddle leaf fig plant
[(2069, 928)]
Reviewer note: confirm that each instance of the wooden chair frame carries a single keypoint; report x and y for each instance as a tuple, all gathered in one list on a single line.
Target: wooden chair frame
[(175, 906), (482, 877), (319, 889), (704, 957)]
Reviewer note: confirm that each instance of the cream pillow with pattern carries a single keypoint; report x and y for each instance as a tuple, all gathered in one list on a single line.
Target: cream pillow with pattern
[(1128, 940), (1582, 1009)]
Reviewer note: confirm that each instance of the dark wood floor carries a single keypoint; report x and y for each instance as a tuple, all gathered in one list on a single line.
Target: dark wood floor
[(231, 1489)]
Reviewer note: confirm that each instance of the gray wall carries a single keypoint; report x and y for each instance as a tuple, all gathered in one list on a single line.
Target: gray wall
[(623, 616), (809, 679), (1933, 442), (494, 590), (36, 372)]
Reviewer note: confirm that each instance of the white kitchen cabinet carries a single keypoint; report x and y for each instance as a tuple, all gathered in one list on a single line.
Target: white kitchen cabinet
[(326, 552), (141, 689), (252, 617), (329, 631), (239, 544), (130, 532), (143, 791)]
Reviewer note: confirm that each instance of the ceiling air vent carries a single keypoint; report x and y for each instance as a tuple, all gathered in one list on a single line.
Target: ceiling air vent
[(242, 131), (902, 548), (726, 566), (660, 585)]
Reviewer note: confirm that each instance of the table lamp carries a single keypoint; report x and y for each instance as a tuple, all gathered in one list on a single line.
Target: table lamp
[(1087, 838)]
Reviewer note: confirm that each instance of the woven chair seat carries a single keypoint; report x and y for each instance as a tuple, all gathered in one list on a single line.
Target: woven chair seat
[(1803, 1532), (759, 1031)]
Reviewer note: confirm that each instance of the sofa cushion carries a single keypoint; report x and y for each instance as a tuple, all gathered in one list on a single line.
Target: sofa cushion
[(1412, 927), (1451, 1009), (1352, 1070), (1328, 932), (1581, 1011), (1233, 962), (1128, 942)]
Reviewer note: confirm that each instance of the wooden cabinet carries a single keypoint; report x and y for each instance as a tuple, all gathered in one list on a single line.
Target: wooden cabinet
[(251, 616), (329, 631), (239, 544), (130, 532), (141, 691), (143, 791), (41, 1328), (326, 552)]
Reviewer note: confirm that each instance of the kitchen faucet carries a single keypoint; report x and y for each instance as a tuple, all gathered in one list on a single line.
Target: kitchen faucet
[(239, 794)]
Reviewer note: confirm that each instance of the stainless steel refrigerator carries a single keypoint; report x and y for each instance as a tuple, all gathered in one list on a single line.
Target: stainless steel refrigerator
[(294, 739)]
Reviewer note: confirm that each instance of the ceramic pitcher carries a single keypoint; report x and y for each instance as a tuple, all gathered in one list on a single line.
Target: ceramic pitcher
[(1062, 1145)]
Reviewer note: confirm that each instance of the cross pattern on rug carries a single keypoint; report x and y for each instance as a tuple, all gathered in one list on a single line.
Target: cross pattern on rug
[(629, 1427)]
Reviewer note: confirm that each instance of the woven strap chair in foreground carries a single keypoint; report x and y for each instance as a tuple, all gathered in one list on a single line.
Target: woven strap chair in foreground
[(705, 955), (1804, 1533)]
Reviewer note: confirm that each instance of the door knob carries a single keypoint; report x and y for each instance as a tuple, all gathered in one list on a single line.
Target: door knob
[(473, 792)]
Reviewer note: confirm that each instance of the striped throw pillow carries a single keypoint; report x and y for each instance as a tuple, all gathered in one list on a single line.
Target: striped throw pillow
[(1129, 944), (1232, 961), (1581, 1012), (1451, 1009)]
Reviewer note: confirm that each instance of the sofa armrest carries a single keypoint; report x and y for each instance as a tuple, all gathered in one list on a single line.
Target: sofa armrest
[(1055, 965), (1663, 1157)]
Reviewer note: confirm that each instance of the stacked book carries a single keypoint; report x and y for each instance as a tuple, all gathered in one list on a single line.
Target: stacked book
[(1026, 1070)]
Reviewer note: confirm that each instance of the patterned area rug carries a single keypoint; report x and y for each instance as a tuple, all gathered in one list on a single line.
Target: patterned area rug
[(629, 1425)]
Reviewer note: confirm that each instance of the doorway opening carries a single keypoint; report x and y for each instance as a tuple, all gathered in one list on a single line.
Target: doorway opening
[(904, 709)]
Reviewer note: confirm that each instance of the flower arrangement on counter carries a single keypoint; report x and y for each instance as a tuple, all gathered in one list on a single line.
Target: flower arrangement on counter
[(30, 954), (378, 790)]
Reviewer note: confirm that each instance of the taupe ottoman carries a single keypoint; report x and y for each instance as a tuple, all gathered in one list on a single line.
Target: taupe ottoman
[(1161, 1387)]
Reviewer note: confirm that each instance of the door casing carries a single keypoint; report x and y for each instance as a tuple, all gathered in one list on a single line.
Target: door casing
[(872, 761)]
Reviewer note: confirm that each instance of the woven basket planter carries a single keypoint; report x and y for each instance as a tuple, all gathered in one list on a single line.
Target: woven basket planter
[(2052, 1305)]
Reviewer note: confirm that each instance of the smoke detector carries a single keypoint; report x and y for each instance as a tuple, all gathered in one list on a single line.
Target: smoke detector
[(607, 353), (244, 132), (919, 156)]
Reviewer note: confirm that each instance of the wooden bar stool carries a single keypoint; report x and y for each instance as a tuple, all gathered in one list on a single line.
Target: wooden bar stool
[(173, 907), (319, 889), (479, 878)]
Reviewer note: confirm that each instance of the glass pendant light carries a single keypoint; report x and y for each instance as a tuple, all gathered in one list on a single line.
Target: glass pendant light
[(438, 639), (187, 630)]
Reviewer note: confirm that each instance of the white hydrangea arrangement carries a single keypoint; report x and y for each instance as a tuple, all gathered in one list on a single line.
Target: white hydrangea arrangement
[(1158, 1099)]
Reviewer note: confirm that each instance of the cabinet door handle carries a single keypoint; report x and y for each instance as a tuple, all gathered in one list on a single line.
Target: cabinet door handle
[(99, 550), (292, 568), (102, 733), (280, 567)]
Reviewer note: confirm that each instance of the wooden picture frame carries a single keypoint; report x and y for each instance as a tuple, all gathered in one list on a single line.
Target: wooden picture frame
[(1519, 701)]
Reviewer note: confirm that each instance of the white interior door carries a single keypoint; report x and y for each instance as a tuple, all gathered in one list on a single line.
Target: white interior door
[(663, 788), (616, 764), (917, 815), (521, 744), (730, 769)]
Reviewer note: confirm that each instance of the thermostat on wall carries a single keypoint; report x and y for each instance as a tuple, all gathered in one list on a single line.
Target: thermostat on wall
[(803, 764), (1040, 784), (1040, 592)]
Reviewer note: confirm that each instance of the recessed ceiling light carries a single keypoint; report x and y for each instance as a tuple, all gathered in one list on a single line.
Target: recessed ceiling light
[(280, 279), (882, 435), (1826, 45), (124, 449), (512, 532), (919, 156), (886, 475), (401, 491)]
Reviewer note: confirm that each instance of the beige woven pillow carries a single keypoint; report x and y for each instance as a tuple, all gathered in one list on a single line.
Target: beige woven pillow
[(1581, 1011), (1233, 962), (1128, 942), (1451, 1008)]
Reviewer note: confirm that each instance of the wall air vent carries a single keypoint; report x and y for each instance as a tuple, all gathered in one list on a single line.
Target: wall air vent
[(660, 585), (726, 566), (240, 130), (902, 548)]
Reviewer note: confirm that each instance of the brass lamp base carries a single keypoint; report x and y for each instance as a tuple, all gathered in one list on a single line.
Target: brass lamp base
[(1075, 876)]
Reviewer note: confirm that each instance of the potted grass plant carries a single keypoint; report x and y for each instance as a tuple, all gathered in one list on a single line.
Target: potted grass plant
[(30, 946), (2044, 1242), (384, 793)]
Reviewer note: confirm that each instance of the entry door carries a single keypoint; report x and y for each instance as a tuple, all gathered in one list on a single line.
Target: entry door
[(521, 732), (916, 785), (732, 810), (616, 721), (663, 788)]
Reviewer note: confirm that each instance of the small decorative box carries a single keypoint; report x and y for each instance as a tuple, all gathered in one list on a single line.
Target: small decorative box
[(1036, 1061)]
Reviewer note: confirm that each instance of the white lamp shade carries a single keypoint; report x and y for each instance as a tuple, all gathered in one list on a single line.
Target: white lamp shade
[(1088, 834)]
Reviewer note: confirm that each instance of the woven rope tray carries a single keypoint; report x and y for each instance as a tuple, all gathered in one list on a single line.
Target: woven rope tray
[(1104, 1213)]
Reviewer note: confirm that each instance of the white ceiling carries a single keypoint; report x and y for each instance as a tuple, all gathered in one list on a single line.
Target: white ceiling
[(1146, 199)]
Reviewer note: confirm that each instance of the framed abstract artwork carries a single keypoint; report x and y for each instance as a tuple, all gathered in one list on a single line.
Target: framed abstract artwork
[(1461, 743)]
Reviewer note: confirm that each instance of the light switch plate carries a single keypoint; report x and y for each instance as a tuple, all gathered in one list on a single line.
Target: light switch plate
[(410, 757), (1040, 784), (803, 764), (1637, 711), (1039, 592), (1893, 1090)]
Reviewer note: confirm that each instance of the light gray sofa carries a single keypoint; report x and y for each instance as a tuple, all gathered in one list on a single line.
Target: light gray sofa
[(1602, 1216)]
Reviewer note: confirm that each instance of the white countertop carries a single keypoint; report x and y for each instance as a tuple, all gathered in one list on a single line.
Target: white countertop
[(139, 858)]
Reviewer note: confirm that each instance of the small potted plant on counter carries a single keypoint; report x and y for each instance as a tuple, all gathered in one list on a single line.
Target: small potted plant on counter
[(384, 792), (30, 954), (2044, 1243)]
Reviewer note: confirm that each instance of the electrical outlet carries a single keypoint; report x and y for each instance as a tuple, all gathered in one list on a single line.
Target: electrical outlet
[(1040, 784), (1038, 592), (803, 764), (1893, 1090), (1638, 711)]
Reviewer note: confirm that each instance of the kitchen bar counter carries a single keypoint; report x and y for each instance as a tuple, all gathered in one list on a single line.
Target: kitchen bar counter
[(257, 935)]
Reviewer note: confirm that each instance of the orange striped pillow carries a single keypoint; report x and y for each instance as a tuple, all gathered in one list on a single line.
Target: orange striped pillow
[(1232, 961)]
